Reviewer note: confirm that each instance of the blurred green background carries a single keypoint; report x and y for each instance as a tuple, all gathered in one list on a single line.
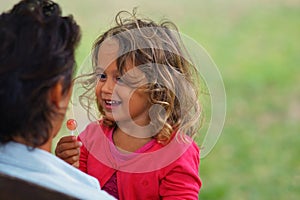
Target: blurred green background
[(256, 45)]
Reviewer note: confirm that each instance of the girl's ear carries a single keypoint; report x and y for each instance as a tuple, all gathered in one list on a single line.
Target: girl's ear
[(57, 97)]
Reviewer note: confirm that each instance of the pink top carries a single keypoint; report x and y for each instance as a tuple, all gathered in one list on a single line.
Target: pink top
[(111, 185), (161, 172)]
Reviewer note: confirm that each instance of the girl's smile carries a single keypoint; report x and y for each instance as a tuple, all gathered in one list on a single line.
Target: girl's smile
[(111, 104)]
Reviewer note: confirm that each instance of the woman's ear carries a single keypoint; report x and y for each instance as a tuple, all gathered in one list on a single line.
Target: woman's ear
[(59, 99)]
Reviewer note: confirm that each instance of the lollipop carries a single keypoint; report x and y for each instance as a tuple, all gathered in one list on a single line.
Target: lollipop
[(72, 125)]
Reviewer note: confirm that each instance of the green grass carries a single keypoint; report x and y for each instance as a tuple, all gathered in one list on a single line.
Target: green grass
[(256, 156), (256, 47)]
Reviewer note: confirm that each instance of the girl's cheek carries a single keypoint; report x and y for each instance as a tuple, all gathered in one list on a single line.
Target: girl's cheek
[(98, 90), (123, 92)]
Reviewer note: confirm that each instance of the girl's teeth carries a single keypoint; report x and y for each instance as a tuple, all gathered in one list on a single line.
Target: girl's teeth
[(111, 102)]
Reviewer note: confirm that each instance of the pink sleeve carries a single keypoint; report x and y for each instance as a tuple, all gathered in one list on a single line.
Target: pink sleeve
[(83, 158), (181, 179)]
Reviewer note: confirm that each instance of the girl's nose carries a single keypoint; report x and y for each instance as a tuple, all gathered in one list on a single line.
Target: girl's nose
[(108, 86)]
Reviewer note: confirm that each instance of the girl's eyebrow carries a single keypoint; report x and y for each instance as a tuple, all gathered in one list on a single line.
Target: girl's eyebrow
[(100, 69)]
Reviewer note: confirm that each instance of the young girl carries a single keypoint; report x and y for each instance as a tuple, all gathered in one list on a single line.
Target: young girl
[(146, 92)]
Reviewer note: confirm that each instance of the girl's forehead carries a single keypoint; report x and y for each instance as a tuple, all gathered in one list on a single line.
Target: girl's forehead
[(108, 52), (109, 45)]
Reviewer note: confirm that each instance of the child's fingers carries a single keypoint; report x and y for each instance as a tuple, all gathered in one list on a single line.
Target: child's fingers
[(72, 160), (64, 150), (68, 146), (69, 153), (76, 164), (69, 138)]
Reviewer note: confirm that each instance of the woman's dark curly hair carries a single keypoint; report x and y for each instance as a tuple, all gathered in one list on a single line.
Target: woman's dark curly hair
[(37, 47)]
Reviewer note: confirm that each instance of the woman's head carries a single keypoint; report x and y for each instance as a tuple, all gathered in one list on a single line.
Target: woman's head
[(37, 49), (150, 58)]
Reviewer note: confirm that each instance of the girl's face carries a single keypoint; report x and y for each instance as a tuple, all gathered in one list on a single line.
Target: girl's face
[(119, 101)]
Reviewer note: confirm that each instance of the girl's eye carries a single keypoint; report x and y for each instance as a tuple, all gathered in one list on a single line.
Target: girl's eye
[(101, 77), (120, 80)]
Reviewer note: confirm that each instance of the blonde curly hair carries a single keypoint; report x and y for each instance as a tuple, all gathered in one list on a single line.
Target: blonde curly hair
[(157, 50)]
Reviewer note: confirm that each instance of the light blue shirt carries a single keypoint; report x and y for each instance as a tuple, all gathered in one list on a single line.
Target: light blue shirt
[(43, 168)]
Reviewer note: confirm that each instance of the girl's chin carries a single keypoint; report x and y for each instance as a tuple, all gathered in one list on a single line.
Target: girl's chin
[(111, 117), (116, 118)]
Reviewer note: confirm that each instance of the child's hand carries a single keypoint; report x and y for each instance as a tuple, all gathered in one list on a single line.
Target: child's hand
[(68, 149)]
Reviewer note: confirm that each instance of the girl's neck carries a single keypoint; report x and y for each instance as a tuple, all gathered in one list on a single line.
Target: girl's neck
[(126, 142)]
